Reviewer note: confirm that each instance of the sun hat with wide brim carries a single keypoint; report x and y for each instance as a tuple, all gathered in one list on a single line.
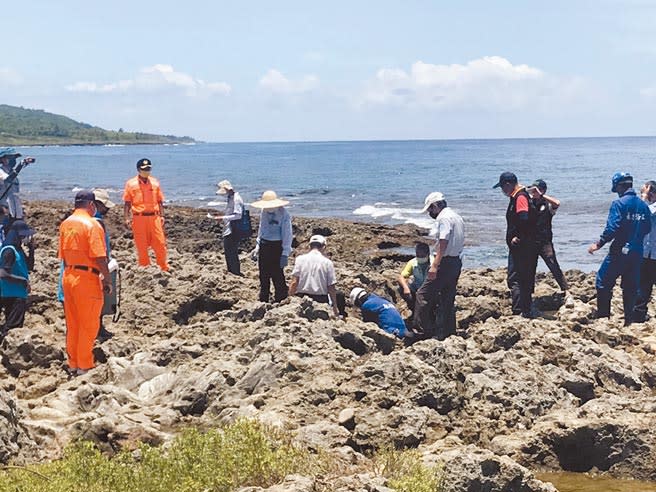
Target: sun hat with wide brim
[(102, 196), (269, 200), (224, 187), (9, 152)]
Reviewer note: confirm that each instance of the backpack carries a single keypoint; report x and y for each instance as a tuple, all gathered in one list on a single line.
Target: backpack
[(242, 227)]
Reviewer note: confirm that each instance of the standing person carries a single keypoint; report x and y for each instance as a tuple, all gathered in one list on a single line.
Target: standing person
[(629, 221), (15, 266), (86, 277), (545, 208), (231, 237), (380, 311), (648, 265), (274, 245), (439, 288), (144, 199), (9, 185), (520, 238), (313, 276), (413, 275)]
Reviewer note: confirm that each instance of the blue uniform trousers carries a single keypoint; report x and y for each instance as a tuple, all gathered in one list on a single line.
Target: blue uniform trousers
[(615, 265)]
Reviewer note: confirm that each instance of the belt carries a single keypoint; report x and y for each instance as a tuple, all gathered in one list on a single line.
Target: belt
[(452, 257), (93, 270), (145, 214), (267, 241)]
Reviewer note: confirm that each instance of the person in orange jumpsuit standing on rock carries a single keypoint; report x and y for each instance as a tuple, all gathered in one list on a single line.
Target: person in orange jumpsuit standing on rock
[(83, 251), (143, 198)]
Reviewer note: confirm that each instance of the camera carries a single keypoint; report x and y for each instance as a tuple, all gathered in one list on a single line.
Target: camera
[(29, 160)]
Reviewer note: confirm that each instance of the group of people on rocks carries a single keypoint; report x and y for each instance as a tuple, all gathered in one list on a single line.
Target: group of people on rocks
[(427, 283)]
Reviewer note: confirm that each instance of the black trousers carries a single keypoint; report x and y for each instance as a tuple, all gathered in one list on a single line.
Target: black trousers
[(522, 262), (270, 271), (231, 252), (14, 310), (434, 314), (341, 300), (410, 299), (647, 280), (548, 254)]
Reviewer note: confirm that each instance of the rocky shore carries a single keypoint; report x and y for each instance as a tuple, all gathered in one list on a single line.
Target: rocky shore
[(505, 398)]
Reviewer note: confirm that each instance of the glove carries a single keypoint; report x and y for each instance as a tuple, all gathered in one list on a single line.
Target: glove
[(283, 261), (255, 253)]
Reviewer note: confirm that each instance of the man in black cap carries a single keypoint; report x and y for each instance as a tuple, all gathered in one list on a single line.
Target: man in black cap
[(520, 238), (15, 266)]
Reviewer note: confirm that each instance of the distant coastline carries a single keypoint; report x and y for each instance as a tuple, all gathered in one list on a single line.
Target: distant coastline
[(34, 127)]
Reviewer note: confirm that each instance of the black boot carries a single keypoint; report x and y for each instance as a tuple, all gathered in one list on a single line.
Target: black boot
[(603, 304), (103, 334)]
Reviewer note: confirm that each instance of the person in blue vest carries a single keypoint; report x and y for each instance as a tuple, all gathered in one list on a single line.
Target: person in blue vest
[(628, 223), (15, 266), (380, 311)]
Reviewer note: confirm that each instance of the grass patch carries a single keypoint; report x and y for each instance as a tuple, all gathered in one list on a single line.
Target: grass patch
[(246, 453)]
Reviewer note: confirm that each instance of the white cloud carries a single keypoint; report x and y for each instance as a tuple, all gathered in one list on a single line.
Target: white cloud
[(156, 78), (9, 76), (489, 83), (275, 82)]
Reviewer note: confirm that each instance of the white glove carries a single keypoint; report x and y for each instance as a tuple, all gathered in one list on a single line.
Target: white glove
[(112, 265), (255, 253)]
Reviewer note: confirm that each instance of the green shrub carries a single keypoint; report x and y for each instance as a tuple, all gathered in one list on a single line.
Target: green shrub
[(405, 471)]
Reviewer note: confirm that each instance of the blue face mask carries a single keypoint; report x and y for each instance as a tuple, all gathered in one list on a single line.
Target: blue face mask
[(423, 260)]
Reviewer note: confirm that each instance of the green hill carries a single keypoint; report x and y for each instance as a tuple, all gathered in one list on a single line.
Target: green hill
[(20, 126)]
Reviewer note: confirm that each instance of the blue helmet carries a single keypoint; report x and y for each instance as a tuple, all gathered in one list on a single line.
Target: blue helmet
[(620, 178)]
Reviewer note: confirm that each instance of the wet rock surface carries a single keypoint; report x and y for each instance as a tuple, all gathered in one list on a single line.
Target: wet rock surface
[(196, 348)]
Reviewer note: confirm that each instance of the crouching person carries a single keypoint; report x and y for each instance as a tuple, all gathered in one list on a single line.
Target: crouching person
[(313, 276), (15, 266), (414, 274), (380, 311)]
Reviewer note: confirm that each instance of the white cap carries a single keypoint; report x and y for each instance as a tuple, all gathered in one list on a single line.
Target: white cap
[(224, 187), (318, 238), (356, 293), (433, 197)]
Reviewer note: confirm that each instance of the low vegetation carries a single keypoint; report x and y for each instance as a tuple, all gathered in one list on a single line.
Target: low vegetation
[(246, 453)]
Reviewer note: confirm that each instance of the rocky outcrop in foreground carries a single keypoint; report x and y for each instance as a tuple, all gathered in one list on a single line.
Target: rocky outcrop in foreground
[(195, 348)]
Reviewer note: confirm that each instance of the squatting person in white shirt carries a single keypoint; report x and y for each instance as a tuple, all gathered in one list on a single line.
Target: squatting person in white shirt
[(439, 288), (313, 276)]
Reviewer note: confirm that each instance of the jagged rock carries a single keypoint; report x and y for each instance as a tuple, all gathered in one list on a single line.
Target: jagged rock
[(13, 438)]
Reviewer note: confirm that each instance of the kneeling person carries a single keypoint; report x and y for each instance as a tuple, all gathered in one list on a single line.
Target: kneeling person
[(14, 275), (414, 274), (314, 277), (380, 311)]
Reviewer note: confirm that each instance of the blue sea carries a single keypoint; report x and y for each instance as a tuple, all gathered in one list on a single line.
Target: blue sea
[(379, 181)]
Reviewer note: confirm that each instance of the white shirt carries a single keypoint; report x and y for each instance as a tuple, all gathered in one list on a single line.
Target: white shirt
[(650, 239), (11, 199), (450, 226), (233, 211), (315, 273)]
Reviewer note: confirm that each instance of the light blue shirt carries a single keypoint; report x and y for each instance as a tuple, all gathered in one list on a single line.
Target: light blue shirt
[(233, 211), (650, 239), (276, 225)]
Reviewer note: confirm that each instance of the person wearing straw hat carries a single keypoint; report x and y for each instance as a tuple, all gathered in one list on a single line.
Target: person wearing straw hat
[(11, 200), (273, 245), (103, 206), (233, 211)]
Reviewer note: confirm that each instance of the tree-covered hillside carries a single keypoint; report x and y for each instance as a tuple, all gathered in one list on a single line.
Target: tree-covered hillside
[(20, 126)]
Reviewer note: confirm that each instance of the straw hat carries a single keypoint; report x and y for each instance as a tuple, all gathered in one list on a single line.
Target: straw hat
[(269, 200), (224, 187), (102, 196)]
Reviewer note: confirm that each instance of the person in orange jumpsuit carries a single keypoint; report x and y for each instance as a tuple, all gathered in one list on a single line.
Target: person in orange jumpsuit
[(143, 198), (83, 251)]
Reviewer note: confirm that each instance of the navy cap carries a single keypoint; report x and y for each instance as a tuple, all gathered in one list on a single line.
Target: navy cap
[(540, 184), (84, 196), (144, 164), (505, 178), (22, 229)]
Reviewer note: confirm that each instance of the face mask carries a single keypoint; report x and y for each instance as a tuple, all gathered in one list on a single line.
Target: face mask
[(144, 174), (421, 261)]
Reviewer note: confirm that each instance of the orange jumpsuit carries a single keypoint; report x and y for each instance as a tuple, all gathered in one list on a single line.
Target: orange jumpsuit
[(81, 242), (147, 222)]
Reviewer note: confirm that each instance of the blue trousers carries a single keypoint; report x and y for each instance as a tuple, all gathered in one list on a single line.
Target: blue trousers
[(617, 265)]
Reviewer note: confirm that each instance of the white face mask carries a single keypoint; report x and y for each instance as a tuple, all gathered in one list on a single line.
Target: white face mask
[(421, 261)]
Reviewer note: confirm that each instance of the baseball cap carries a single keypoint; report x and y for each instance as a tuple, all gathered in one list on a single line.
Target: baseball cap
[(102, 196), (506, 177), (540, 184), (22, 229), (319, 239), (144, 164), (84, 196), (433, 197)]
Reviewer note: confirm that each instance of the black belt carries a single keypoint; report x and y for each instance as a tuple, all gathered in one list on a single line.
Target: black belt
[(452, 257), (85, 268), (145, 214), (267, 241)]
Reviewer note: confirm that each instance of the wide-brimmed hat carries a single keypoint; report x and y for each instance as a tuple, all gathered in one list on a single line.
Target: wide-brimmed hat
[(9, 152), (102, 196), (224, 187), (269, 200)]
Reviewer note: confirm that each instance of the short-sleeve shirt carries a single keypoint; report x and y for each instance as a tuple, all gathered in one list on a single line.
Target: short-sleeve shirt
[(144, 197), (81, 240), (417, 271), (315, 273), (450, 226)]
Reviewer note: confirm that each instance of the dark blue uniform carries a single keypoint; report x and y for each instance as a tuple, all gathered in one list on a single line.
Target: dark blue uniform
[(628, 223), (384, 314)]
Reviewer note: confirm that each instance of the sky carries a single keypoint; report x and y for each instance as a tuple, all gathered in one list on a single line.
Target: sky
[(340, 70)]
